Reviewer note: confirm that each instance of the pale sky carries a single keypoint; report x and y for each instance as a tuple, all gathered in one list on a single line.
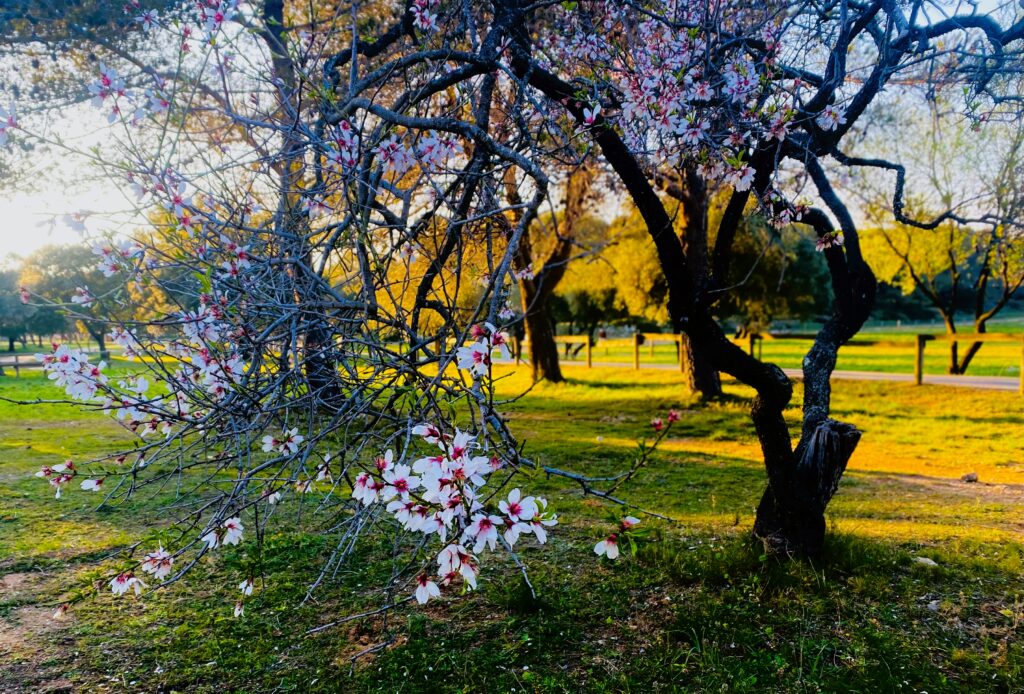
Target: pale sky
[(29, 221)]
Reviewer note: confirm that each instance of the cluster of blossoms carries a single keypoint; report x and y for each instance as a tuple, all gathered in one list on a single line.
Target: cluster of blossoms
[(115, 257), (70, 368), (108, 85), (669, 101), (433, 151), (213, 14), (228, 533), (829, 240), (288, 444), (659, 424), (203, 367), (126, 581), (158, 563), (343, 148), (61, 474), (525, 273), (609, 547), (83, 297), (476, 357), (424, 15), (110, 89), (440, 495), (58, 475)]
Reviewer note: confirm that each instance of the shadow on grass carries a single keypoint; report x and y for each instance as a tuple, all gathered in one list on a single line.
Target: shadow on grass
[(712, 613)]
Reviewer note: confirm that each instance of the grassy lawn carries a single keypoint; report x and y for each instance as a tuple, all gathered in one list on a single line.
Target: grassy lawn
[(697, 609)]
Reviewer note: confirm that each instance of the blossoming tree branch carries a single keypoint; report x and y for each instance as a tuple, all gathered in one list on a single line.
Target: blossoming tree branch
[(326, 184)]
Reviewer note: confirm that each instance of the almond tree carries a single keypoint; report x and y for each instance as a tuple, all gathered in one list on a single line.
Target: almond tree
[(338, 137)]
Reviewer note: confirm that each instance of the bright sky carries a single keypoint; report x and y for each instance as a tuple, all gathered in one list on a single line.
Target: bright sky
[(31, 220)]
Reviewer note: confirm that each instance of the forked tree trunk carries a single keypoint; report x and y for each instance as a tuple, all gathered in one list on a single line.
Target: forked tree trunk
[(791, 516)]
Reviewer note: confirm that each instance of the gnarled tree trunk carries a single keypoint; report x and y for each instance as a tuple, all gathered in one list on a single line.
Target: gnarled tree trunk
[(801, 482)]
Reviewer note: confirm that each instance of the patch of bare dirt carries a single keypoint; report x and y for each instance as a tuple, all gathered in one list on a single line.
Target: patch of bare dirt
[(33, 646), (30, 648), (974, 491)]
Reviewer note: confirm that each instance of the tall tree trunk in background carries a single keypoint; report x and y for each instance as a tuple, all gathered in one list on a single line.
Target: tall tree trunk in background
[(99, 335), (701, 375), (318, 355), (537, 290), (541, 333), (953, 367), (10, 344)]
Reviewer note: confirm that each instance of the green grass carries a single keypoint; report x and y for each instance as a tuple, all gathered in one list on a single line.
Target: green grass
[(697, 609)]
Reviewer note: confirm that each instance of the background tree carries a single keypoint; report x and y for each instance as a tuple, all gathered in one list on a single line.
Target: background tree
[(542, 258), (68, 277), (14, 315), (777, 274), (972, 261), (45, 322)]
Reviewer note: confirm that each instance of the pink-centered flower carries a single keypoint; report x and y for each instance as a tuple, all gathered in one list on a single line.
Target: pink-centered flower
[(426, 589), (399, 481), (517, 507), (608, 547), (484, 528), (126, 581)]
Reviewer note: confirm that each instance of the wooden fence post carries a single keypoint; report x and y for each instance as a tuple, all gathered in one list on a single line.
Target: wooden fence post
[(17, 369), (590, 361), (919, 360), (680, 353), (636, 350)]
